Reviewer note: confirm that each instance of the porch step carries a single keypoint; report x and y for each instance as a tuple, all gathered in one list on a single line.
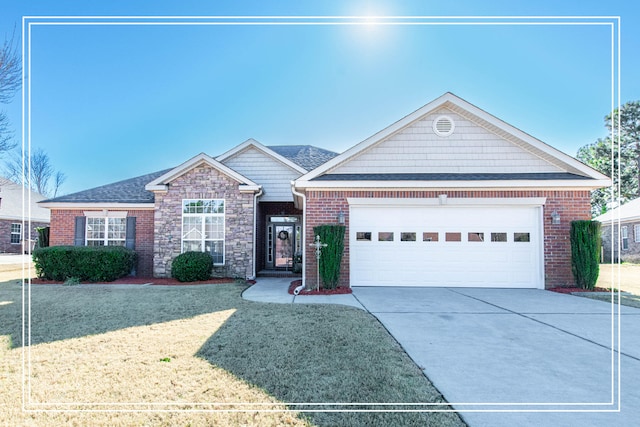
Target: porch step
[(278, 273)]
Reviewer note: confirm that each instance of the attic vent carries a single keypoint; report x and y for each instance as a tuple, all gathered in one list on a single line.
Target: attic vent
[(443, 126)]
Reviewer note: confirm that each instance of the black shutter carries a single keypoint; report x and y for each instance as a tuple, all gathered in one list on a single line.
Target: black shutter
[(130, 239), (81, 224)]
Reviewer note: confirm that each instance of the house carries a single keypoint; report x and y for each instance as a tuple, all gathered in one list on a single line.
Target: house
[(447, 196), (16, 209), (623, 243)]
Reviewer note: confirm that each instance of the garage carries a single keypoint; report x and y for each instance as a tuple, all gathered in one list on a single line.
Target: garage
[(464, 243)]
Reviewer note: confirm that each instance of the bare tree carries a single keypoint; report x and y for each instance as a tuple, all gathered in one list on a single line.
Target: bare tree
[(10, 81), (44, 179)]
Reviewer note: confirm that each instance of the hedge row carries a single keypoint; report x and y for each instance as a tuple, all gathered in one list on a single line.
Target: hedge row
[(92, 264)]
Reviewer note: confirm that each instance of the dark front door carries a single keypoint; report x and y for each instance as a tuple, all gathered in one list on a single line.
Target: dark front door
[(282, 242)]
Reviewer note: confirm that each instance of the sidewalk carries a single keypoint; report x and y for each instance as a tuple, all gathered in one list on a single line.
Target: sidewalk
[(275, 289)]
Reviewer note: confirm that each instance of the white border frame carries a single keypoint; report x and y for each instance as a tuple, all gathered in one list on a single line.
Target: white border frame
[(30, 21)]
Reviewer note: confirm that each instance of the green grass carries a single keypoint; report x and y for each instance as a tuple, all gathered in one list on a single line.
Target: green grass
[(219, 347)]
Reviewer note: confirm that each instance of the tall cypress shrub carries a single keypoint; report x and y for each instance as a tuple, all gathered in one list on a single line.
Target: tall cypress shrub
[(585, 253), (333, 236)]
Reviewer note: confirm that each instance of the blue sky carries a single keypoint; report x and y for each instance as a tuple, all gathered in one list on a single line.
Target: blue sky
[(113, 102)]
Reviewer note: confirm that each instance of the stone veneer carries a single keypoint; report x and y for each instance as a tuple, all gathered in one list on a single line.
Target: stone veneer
[(205, 182), (322, 207)]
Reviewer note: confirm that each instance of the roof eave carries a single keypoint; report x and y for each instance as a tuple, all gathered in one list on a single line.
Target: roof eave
[(494, 184), (97, 205)]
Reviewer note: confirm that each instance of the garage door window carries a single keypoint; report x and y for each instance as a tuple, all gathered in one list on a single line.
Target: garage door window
[(429, 237), (475, 237), (385, 236), (498, 237), (408, 237), (363, 236), (453, 237), (521, 237)]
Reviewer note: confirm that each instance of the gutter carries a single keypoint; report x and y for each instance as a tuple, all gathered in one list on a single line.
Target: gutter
[(304, 234), (255, 231)]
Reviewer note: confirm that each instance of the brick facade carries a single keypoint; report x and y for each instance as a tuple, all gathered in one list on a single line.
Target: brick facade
[(323, 207), (612, 248), (63, 231), (205, 182), (5, 236)]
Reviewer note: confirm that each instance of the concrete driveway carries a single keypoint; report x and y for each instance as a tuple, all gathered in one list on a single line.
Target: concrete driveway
[(506, 357)]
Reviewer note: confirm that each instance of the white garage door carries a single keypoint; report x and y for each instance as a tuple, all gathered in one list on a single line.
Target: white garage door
[(475, 246)]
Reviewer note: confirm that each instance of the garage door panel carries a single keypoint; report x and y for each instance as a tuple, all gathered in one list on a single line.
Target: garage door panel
[(475, 260)]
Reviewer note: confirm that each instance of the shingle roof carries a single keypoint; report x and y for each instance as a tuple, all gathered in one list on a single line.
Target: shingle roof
[(626, 212), (305, 156), (128, 191), (447, 176)]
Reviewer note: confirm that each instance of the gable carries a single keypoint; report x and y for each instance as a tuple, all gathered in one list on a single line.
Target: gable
[(469, 149), (479, 150), (273, 175)]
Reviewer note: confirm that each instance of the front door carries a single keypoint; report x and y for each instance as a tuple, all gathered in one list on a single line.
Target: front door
[(283, 235)]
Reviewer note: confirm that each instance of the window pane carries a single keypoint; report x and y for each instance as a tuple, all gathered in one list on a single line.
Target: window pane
[(216, 249), (363, 236), (214, 228), (453, 237), (191, 228), (521, 237), (95, 228), (475, 237), (498, 237), (407, 237), (192, 245), (429, 237), (117, 228), (16, 233), (385, 236)]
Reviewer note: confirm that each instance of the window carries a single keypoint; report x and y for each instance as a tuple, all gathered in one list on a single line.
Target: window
[(363, 236), (407, 237), (203, 227), (106, 231), (475, 237), (636, 233), (429, 237), (385, 236), (16, 233), (453, 237), (498, 237), (521, 237), (624, 233)]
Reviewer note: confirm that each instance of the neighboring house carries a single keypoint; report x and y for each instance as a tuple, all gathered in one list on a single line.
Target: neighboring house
[(447, 196), (17, 233), (621, 233)]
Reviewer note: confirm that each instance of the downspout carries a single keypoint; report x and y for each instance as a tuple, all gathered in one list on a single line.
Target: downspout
[(255, 229), (304, 237)]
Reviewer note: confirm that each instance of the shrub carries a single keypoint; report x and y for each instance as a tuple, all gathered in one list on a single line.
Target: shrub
[(333, 236), (192, 266), (84, 263), (585, 252)]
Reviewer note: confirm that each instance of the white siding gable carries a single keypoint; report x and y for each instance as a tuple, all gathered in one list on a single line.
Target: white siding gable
[(471, 148), (274, 176)]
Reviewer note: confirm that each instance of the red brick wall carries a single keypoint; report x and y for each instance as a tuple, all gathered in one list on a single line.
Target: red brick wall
[(5, 235), (63, 232), (323, 207)]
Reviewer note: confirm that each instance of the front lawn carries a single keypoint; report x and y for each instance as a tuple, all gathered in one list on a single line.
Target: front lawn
[(163, 355)]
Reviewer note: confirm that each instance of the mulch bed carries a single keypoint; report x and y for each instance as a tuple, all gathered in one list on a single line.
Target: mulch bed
[(131, 280), (336, 291), (572, 290)]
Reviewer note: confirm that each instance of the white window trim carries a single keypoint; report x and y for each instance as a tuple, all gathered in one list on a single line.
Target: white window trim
[(636, 233), (106, 239), (12, 233), (203, 240), (624, 237)]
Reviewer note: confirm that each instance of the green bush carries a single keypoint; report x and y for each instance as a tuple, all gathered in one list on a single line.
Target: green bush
[(333, 236), (85, 263), (192, 266), (585, 252)]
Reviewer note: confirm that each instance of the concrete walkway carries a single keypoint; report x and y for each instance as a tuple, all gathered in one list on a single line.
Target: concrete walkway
[(270, 289)]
